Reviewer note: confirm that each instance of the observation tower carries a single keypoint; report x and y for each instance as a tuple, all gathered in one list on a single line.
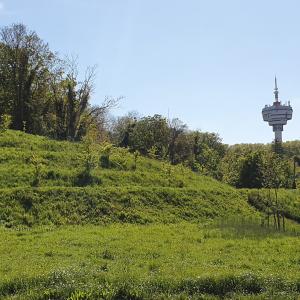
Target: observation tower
[(277, 115)]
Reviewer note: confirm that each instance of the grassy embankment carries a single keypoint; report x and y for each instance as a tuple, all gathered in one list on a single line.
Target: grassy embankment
[(153, 192), (154, 238)]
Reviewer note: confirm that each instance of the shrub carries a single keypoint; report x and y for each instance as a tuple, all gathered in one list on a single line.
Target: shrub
[(5, 122), (85, 178), (105, 155), (37, 163), (136, 155)]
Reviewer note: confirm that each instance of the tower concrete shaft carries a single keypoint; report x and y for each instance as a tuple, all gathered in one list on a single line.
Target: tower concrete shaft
[(278, 136)]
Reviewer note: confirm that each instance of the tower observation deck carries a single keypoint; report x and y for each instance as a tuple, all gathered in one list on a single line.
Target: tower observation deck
[(277, 115)]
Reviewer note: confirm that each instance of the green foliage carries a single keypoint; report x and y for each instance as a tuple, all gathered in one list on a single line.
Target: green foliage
[(276, 172), (85, 178), (288, 202), (149, 133), (208, 151), (256, 167), (105, 155), (136, 155), (152, 152), (291, 148), (121, 131), (160, 139), (88, 161), (251, 172), (89, 157), (42, 92), (37, 164), (26, 66), (5, 122)]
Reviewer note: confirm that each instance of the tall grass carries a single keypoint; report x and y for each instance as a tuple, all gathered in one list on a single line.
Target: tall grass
[(181, 261)]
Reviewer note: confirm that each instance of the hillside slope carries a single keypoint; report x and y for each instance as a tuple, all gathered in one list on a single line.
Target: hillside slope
[(191, 248), (153, 192)]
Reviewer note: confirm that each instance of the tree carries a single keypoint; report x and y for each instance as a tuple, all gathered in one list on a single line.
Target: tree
[(176, 129), (88, 156), (230, 166), (99, 116), (291, 149), (296, 161), (122, 128), (71, 100), (241, 165), (250, 175), (25, 69), (276, 173), (183, 145), (42, 93), (151, 132), (208, 151)]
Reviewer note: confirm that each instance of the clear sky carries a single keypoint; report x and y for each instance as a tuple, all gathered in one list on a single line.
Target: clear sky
[(210, 63)]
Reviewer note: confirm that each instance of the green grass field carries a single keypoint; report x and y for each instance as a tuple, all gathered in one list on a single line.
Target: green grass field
[(154, 232), (154, 261)]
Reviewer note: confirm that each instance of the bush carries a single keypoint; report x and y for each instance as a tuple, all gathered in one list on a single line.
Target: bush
[(37, 163), (5, 122), (105, 155), (85, 178)]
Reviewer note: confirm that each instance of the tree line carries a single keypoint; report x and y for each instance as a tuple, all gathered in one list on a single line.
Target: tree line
[(41, 93), (161, 138)]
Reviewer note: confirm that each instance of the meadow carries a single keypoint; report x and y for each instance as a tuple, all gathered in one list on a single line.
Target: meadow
[(177, 261), (153, 231)]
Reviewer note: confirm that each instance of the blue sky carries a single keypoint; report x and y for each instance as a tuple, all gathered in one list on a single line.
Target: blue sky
[(209, 63)]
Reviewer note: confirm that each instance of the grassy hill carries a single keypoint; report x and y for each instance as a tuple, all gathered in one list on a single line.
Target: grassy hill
[(150, 232), (153, 192)]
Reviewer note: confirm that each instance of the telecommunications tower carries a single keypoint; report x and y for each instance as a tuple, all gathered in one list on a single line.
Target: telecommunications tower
[(277, 115)]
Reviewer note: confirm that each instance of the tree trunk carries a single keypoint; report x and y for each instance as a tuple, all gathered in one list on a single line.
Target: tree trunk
[(294, 179), (277, 210)]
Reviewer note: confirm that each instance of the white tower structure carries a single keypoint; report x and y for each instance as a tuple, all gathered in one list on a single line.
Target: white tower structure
[(277, 115)]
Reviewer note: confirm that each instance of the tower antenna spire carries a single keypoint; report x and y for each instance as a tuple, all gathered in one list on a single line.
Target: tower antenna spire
[(276, 90)]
